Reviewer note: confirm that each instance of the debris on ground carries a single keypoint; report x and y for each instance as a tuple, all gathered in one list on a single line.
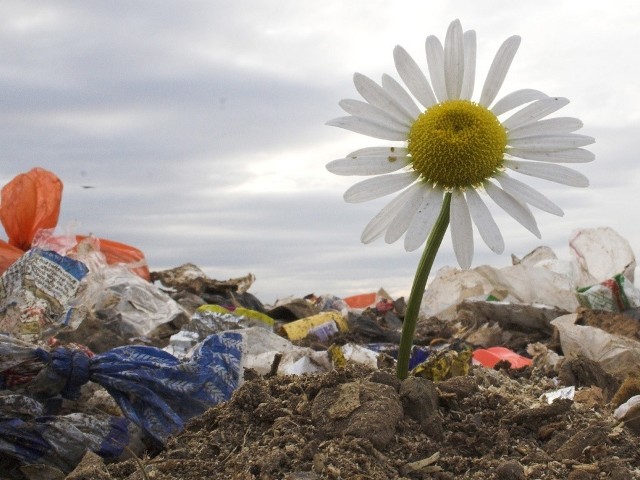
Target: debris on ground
[(528, 371)]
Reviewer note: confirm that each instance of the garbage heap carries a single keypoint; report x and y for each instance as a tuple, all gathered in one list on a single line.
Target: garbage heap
[(95, 359)]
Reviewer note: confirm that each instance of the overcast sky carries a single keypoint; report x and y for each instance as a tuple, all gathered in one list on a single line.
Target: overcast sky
[(200, 125)]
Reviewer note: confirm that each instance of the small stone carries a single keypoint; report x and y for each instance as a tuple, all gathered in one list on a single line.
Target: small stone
[(509, 470)]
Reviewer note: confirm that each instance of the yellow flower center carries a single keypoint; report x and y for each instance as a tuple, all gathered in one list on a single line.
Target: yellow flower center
[(457, 144)]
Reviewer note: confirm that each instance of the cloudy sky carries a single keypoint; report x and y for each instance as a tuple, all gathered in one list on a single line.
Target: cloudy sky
[(200, 125)]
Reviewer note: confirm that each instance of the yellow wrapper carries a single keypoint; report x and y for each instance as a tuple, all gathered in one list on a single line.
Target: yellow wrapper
[(322, 325)]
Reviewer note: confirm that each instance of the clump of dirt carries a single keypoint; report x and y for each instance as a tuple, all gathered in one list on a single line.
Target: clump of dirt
[(614, 323), (358, 423)]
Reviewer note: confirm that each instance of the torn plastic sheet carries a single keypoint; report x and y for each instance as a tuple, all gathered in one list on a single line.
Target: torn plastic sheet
[(261, 347), (62, 441), (138, 307), (539, 278), (603, 253), (517, 284), (210, 319), (616, 354)]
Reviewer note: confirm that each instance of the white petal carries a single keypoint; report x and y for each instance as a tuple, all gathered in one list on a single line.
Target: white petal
[(574, 155), (368, 165), (402, 220), (395, 90), (524, 193), (378, 224), (424, 219), (550, 126), (369, 128), (461, 231), (379, 152), (535, 111), (489, 231), (454, 60), (516, 99), (379, 97), (435, 61), (469, 65), (549, 171), (519, 211), (413, 77), (374, 114), (498, 70), (379, 186), (551, 143)]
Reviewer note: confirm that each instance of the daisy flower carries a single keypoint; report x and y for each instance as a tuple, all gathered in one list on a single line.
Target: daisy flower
[(455, 150)]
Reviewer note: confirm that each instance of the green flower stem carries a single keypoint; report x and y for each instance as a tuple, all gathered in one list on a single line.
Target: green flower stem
[(419, 284)]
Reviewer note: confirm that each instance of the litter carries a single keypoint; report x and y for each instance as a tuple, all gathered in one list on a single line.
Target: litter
[(322, 326), (152, 388), (489, 357), (567, 392), (616, 354), (212, 332), (29, 210), (616, 294), (36, 294)]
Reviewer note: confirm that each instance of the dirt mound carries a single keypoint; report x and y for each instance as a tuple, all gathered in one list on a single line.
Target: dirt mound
[(357, 423)]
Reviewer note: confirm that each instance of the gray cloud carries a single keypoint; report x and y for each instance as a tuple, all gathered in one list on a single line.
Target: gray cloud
[(169, 110)]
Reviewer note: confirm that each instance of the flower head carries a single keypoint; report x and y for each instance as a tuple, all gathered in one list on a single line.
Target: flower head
[(455, 145)]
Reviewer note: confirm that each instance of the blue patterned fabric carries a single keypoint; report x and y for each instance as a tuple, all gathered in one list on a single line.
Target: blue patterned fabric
[(154, 389)]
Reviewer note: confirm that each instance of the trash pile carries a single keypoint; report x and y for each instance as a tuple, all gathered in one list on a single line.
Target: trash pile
[(109, 371)]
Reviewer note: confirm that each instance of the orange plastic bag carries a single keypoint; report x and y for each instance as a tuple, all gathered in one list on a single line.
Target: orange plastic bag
[(30, 203)]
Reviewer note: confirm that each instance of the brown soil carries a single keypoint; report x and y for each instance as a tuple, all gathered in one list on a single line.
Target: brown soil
[(355, 423)]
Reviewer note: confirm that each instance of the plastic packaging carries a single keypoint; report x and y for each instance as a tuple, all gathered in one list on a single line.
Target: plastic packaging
[(616, 294), (489, 357), (445, 363), (123, 298), (217, 318), (322, 325), (209, 319), (36, 295), (351, 352)]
